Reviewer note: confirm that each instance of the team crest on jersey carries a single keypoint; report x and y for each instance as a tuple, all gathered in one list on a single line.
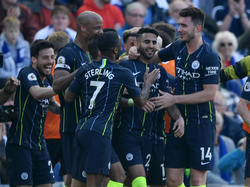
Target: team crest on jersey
[(61, 60), (84, 174), (129, 156), (195, 64), (32, 77), (24, 175), (247, 87)]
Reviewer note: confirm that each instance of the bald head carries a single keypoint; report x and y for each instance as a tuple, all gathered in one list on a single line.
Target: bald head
[(87, 17)]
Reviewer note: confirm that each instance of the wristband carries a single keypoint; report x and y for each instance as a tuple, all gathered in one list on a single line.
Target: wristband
[(130, 102)]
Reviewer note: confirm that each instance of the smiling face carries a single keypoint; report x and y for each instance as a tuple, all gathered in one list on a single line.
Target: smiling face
[(186, 29), (44, 62), (147, 45)]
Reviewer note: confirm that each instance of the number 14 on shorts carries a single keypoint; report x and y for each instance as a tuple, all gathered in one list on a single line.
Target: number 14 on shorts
[(206, 155)]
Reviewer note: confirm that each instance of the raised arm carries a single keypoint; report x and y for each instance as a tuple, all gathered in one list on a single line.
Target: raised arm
[(62, 80)]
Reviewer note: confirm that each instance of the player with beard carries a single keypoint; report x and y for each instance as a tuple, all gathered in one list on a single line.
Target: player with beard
[(69, 59), (136, 129), (197, 74), (28, 159), (101, 83)]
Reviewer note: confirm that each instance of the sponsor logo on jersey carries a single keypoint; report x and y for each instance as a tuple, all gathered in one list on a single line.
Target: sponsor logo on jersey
[(211, 70), (136, 73), (186, 75)]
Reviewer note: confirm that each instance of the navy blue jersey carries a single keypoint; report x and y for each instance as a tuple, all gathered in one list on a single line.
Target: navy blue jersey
[(192, 72), (246, 90), (70, 58), (133, 118), (28, 129), (101, 85)]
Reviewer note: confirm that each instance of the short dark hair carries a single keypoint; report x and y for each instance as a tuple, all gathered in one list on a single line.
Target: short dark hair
[(147, 30), (166, 31), (196, 14), (126, 35), (108, 40), (39, 45)]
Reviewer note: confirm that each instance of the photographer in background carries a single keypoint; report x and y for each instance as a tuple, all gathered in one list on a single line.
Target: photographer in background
[(8, 89)]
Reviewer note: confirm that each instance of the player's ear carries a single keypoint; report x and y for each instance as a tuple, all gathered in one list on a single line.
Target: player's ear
[(199, 28), (33, 60), (115, 50)]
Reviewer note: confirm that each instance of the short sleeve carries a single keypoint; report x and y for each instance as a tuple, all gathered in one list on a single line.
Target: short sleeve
[(28, 78), (246, 90), (211, 68), (129, 82), (65, 60)]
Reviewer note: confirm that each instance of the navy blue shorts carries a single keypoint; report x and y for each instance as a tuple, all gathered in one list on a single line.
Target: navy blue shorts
[(194, 149), (247, 169), (28, 167), (92, 154), (67, 152), (157, 171), (134, 149)]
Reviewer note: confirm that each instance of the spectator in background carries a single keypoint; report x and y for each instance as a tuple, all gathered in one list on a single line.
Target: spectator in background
[(166, 31), (235, 161), (59, 22), (41, 10), (16, 50), (225, 44), (233, 16), (154, 12), (129, 40), (174, 8), (223, 145), (112, 15), (134, 16), (12, 8)]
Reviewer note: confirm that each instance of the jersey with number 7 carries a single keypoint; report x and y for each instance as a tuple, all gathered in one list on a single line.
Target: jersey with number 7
[(101, 85)]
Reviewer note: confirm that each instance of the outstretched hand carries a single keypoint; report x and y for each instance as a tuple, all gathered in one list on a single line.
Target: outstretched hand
[(11, 85), (150, 78)]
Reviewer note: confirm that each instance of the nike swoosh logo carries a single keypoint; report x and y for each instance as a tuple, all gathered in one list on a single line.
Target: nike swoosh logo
[(178, 58), (136, 73), (204, 163)]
